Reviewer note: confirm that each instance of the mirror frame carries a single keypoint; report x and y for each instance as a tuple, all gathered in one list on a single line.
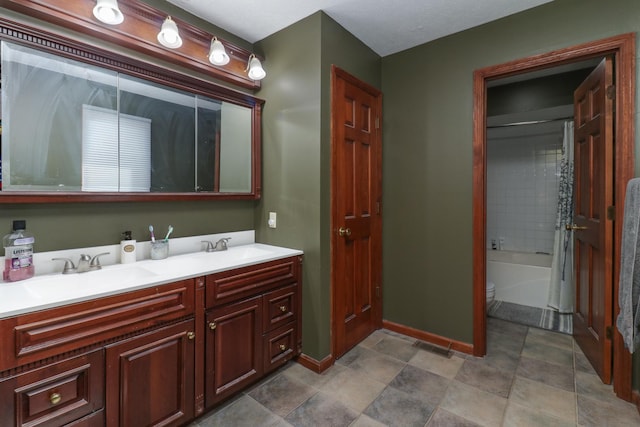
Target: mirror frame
[(69, 48)]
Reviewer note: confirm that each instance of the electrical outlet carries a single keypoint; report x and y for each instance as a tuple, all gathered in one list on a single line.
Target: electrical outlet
[(272, 220)]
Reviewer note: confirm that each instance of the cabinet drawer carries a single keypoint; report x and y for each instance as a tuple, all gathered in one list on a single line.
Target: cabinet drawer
[(235, 284), (56, 394), (39, 335), (280, 346), (280, 307)]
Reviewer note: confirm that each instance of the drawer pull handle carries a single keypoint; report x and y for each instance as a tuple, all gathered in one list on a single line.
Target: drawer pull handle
[(283, 347), (191, 335), (213, 326), (55, 398), (283, 308)]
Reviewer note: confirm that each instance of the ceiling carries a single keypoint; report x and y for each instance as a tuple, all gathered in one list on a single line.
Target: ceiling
[(386, 26)]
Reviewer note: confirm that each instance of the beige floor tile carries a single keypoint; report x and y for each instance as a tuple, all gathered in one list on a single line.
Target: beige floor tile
[(353, 389), (399, 348), (244, 412), (365, 421), (445, 367), (521, 416), (378, 366), (484, 408), (555, 339), (373, 339), (442, 418), (596, 413), (297, 372), (537, 349), (540, 397)]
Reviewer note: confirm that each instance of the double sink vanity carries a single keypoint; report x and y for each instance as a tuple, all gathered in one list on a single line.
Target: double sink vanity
[(156, 342)]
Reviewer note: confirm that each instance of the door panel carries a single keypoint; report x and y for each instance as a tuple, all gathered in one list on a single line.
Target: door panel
[(593, 231), (356, 218)]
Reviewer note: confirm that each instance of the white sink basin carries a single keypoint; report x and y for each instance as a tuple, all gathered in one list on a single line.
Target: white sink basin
[(85, 283)]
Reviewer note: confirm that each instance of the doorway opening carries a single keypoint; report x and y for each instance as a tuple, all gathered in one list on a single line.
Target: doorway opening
[(622, 50), (529, 175)]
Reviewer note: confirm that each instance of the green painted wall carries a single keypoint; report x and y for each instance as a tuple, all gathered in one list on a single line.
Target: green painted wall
[(428, 152), (296, 152)]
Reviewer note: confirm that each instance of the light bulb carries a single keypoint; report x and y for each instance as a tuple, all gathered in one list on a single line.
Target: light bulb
[(107, 11), (168, 35), (217, 53), (256, 72)]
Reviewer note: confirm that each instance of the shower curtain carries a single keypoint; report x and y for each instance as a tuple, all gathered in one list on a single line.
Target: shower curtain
[(561, 289)]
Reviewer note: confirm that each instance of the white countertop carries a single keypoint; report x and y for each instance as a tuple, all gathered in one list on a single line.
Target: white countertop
[(57, 289)]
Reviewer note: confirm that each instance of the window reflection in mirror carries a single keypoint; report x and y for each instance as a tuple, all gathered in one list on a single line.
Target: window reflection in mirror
[(70, 126)]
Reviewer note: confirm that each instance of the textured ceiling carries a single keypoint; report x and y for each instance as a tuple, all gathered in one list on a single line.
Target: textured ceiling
[(386, 26)]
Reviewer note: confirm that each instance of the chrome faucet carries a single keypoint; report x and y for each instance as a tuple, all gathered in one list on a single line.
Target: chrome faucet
[(220, 245), (86, 263)]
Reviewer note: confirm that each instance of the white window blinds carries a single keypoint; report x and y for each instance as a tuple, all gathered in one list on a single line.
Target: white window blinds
[(102, 169)]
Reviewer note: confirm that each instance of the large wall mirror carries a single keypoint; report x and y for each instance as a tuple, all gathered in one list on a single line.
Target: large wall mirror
[(77, 125)]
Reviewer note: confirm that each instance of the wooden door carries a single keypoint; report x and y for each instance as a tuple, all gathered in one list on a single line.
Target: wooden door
[(593, 231), (150, 378), (233, 348), (356, 191)]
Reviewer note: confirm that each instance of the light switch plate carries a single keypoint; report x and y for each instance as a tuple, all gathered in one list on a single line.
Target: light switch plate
[(272, 220)]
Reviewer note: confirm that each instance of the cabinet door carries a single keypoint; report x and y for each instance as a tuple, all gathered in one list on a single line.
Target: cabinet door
[(55, 394), (150, 378), (234, 348)]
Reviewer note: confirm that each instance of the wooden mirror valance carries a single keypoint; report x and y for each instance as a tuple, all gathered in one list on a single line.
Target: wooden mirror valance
[(62, 98), (138, 31)]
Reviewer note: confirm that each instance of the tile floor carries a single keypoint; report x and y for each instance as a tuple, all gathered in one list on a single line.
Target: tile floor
[(530, 377)]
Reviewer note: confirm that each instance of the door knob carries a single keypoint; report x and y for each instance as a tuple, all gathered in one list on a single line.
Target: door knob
[(342, 231), (573, 227)]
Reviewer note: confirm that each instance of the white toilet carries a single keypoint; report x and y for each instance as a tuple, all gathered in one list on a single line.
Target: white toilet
[(491, 293)]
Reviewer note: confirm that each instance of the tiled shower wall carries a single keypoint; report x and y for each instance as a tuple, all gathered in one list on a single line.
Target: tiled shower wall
[(522, 186)]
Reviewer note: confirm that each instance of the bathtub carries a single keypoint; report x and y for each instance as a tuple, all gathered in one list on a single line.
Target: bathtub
[(520, 277)]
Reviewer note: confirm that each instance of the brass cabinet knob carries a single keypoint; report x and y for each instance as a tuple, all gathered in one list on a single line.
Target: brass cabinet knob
[(212, 325), (191, 335), (55, 398), (283, 308), (283, 347), (342, 232)]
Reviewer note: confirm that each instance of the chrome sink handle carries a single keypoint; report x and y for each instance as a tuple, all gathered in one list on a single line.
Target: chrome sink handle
[(95, 261), (210, 246), (222, 244), (69, 266)]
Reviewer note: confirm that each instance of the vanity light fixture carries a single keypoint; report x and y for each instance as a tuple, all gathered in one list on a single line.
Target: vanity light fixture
[(254, 68), (168, 35), (217, 54), (107, 11)]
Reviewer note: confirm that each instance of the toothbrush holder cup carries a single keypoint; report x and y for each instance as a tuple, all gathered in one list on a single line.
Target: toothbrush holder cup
[(159, 249)]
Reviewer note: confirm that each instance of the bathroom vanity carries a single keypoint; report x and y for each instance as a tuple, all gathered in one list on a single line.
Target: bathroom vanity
[(162, 352)]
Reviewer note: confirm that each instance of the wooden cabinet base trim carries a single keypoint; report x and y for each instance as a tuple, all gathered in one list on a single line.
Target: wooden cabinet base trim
[(434, 339), (317, 366)]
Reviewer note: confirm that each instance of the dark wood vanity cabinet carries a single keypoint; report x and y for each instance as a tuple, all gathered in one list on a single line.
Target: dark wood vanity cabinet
[(100, 362), (253, 324), (146, 357)]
